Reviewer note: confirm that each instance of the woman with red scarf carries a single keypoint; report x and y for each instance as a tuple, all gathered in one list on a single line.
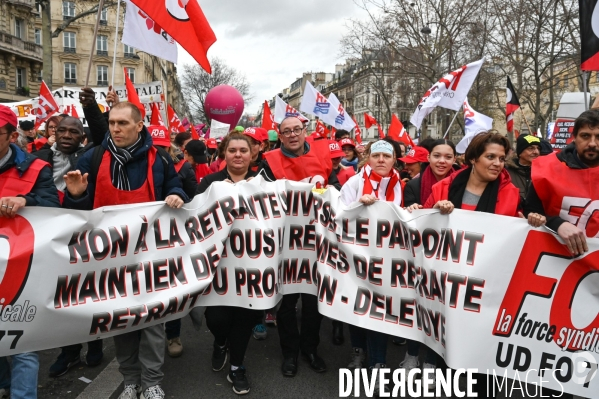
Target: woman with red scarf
[(376, 180)]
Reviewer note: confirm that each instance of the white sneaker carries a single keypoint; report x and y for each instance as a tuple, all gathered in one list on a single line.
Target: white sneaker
[(377, 392), (409, 363), (4, 393), (130, 392), (433, 385), (154, 392), (357, 358)]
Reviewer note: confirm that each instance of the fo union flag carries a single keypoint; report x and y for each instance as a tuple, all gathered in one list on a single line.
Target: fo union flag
[(314, 103), (343, 121), (449, 92), (284, 110)]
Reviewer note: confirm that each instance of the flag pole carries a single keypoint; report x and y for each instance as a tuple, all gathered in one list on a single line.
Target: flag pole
[(453, 120), (525, 120), (91, 54), (585, 89), (116, 39)]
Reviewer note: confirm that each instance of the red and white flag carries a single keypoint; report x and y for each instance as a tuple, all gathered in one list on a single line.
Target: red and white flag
[(284, 110), (132, 95), (511, 104), (156, 118), (173, 121), (141, 32), (46, 105), (449, 92), (342, 121), (321, 129), (185, 22), (314, 103), (268, 120), (398, 132), (381, 133), (71, 110), (358, 131)]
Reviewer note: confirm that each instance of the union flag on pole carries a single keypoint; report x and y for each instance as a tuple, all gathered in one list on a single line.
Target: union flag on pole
[(173, 121), (185, 22), (589, 35), (398, 132), (46, 105), (511, 104), (358, 131), (268, 120), (284, 110), (132, 95), (369, 121), (321, 129), (156, 118)]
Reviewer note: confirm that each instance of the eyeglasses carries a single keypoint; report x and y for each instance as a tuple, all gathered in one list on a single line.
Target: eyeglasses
[(51, 127), (296, 132)]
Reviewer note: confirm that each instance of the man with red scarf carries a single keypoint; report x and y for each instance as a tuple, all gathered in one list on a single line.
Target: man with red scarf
[(299, 161), (565, 186)]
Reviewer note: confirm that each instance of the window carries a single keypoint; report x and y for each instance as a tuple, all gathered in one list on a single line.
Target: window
[(21, 77), (566, 82), (70, 73), (102, 45), (596, 77), (104, 17), (129, 51), (40, 75), (39, 10), (69, 42), (102, 75), (19, 28), (38, 36), (68, 9), (131, 74)]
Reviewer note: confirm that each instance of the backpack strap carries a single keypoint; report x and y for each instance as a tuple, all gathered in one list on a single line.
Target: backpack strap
[(96, 161), (164, 156)]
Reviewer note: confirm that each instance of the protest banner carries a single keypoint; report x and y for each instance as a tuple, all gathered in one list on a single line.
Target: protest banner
[(67, 98), (484, 291)]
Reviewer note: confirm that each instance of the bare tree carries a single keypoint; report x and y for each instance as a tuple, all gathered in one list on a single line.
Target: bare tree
[(196, 83)]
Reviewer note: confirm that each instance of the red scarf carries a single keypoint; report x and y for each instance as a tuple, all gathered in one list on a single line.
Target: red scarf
[(427, 181), (375, 177)]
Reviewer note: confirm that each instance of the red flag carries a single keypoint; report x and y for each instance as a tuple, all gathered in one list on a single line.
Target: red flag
[(173, 120), (321, 129), (511, 104), (194, 133), (156, 119), (268, 120), (185, 22), (132, 96), (398, 132), (46, 106), (358, 131), (381, 133), (369, 121), (333, 130)]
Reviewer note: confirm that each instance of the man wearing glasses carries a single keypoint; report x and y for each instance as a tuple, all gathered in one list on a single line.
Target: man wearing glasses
[(299, 161), (24, 181)]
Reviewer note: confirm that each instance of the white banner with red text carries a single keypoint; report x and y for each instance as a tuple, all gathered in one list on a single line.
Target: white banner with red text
[(483, 291)]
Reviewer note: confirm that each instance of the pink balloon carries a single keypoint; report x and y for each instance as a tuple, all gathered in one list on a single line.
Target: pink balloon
[(225, 104)]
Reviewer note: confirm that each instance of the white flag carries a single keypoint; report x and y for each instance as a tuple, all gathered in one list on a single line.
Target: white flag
[(144, 34), (284, 110), (449, 92), (474, 123), (342, 121), (218, 129), (316, 104)]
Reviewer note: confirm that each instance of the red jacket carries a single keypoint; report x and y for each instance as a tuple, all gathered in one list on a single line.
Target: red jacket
[(508, 198)]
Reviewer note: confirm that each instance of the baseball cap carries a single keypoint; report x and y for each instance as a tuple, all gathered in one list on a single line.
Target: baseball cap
[(256, 133), (526, 140), (7, 116), (159, 135), (197, 150), (416, 154), (26, 125), (211, 143), (272, 135), (335, 149), (347, 141)]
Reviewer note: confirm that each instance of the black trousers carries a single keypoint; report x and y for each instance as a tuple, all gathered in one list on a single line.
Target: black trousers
[(232, 325), (92, 347), (291, 339)]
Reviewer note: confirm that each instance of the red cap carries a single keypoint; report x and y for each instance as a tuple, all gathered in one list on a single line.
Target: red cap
[(160, 135), (7, 116), (211, 143), (335, 149), (347, 141), (257, 133), (416, 154)]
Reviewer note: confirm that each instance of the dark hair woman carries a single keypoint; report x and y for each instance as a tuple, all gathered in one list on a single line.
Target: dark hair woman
[(351, 155), (232, 325)]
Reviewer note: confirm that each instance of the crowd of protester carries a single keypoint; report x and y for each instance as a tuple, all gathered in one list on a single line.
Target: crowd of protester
[(118, 160)]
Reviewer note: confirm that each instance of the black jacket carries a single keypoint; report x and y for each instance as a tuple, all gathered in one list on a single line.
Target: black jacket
[(411, 192), (188, 179), (221, 175), (534, 204), (44, 191), (47, 155), (97, 123), (520, 176)]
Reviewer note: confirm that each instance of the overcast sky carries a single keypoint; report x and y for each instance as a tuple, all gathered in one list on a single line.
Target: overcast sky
[(272, 42)]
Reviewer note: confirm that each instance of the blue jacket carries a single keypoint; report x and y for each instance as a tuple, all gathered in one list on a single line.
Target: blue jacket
[(44, 191), (137, 171)]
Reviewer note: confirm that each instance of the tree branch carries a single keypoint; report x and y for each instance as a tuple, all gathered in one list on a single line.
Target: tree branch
[(69, 21)]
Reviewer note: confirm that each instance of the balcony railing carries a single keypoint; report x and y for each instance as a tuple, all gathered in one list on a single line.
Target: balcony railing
[(102, 83), (70, 80), (28, 3), (103, 22), (131, 55), (102, 52), (22, 91), (21, 48), (70, 50)]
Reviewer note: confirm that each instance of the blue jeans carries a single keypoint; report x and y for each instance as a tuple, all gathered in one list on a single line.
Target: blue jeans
[(22, 381), (373, 342)]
